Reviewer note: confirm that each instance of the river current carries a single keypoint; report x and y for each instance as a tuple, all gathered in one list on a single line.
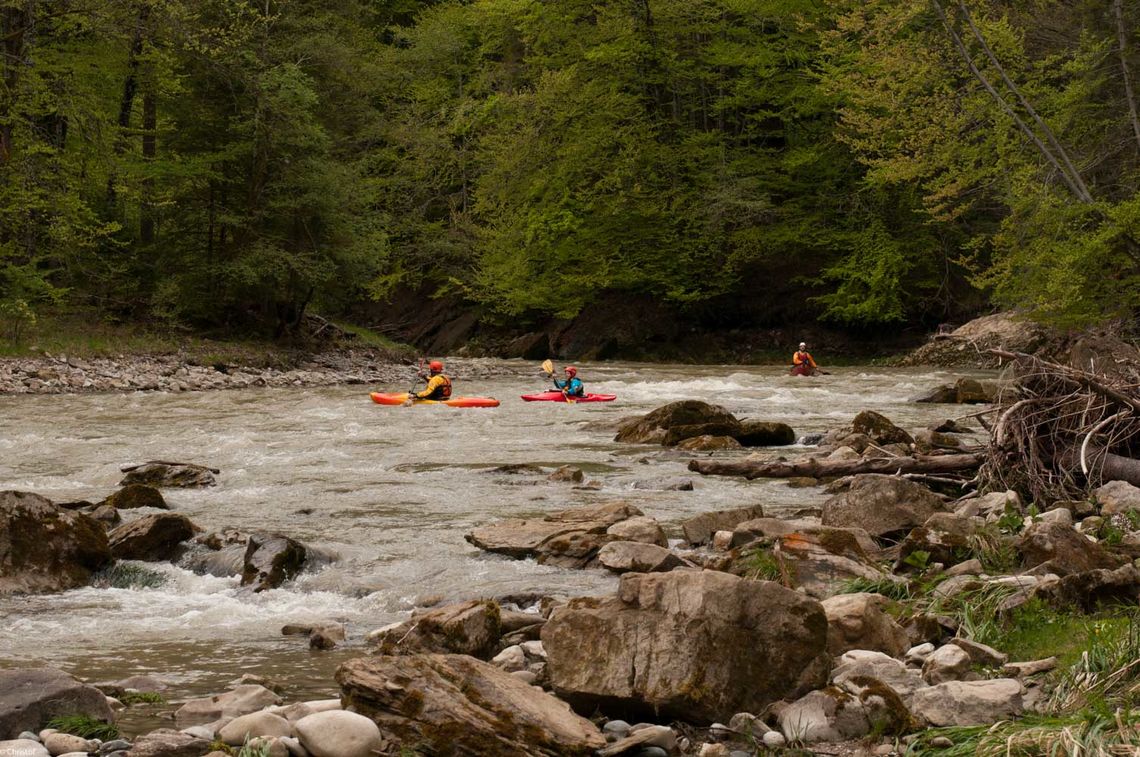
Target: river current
[(390, 490)]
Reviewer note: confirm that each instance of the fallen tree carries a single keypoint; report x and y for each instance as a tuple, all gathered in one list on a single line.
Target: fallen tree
[(817, 468)]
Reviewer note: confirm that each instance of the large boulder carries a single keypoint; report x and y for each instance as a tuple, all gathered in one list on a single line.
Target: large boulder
[(860, 621), (677, 421), (755, 433), (879, 429), (241, 700), (700, 645), (637, 557), (945, 538), (1117, 497), (154, 538), (820, 560), (569, 538), (1062, 550), (46, 548), (29, 697), (884, 506), (338, 733), (457, 705), (966, 703), (136, 495), (700, 528), (271, 560), (640, 529), (472, 628), (170, 475)]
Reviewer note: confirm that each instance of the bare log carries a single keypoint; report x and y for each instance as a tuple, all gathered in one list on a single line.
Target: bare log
[(817, 468)]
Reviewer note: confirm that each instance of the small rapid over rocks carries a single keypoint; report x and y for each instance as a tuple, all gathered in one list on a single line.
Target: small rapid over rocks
[(385, 495)]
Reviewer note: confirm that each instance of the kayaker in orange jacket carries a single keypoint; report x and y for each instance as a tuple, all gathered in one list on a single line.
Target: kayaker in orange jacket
[(802, 362), (438, 386)]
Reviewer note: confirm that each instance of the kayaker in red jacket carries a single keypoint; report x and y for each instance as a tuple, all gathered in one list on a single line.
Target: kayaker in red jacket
[(802, 362), (438, 386)]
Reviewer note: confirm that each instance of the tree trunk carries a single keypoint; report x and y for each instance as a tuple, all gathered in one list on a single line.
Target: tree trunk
[(127, 101), (149, 151), (14, 25), (817, 468), (1122, 38)]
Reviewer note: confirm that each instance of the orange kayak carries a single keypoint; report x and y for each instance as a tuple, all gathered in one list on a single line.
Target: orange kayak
[(399, 398)]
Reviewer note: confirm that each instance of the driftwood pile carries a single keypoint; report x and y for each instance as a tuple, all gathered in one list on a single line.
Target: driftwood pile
[(1056, 433), (1059, 432)]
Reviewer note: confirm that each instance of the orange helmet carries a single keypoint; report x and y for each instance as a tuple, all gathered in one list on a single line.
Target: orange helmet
[(435, 365), (571, 370)]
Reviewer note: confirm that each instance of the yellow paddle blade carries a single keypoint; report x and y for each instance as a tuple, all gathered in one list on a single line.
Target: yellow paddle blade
[(548, 366)]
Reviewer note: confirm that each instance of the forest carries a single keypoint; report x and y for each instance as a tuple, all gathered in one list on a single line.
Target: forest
[(235, 164)]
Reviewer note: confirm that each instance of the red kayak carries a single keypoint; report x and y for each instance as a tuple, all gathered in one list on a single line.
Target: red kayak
[(398, 398), (556, 396), (803, 369)]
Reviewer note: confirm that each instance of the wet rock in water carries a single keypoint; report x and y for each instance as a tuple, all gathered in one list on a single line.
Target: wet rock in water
[(472, 628), (700, 529), (136, 495), (879, 429), (441, 700), (884, 506), (138, 683), (708, 443), (637, 557), (241, 700), (154, 538), (755, 433), (567, 473), (338, 734), (29, 697), (169, 475), (166, 742), (695, 416), (44, 548), (665, 484), (700, 645), (640, 529), (271, 560), (107, 515), (569, 538)]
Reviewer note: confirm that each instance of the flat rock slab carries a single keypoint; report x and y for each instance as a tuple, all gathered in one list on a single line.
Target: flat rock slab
[(579, 530), (173, 475)]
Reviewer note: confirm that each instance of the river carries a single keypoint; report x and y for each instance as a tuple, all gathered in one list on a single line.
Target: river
[(390, 490)]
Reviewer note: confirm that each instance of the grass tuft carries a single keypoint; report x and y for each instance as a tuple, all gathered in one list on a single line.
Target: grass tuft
[(84, 726), (142, 697)]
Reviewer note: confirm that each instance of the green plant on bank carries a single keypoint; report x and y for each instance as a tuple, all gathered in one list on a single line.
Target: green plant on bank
[(142, 697), (1108, 669), (127, 576), (84, 726), (255, 748), (1012, 521), (994, 550), (1089, 732), (897, 590), (761, 565)]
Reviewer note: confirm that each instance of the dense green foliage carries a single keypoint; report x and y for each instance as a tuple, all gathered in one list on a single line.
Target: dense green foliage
[(235, 162)]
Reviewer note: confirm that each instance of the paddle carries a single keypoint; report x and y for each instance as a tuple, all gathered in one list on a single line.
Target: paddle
[(419, 377), (548, 366)]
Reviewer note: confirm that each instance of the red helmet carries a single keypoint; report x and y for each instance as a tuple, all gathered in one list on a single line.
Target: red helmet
[(571, 370), (435, 365)]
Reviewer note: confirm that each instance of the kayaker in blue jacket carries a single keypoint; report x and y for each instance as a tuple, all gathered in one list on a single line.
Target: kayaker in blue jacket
[(572, 386)]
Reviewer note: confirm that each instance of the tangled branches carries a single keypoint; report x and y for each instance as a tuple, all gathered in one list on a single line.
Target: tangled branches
[(1060, 431)]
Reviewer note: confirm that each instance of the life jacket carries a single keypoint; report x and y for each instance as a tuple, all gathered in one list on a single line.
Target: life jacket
[(443, 391), (803, 358)]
